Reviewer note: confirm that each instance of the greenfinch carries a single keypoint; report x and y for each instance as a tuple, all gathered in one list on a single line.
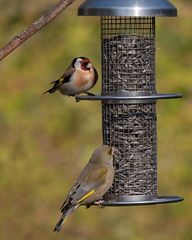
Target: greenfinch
[(92, 183)]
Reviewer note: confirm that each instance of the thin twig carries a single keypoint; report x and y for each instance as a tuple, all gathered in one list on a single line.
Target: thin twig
[(34, 27)]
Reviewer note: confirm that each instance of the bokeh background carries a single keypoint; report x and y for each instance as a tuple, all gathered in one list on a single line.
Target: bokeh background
[(46, 139)]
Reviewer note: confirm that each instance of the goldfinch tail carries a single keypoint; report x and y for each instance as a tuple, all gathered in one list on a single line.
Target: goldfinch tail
[(56, 84), (52, 90)]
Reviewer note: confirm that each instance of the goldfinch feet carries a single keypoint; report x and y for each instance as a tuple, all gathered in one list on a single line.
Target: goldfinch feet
[(90, 94)]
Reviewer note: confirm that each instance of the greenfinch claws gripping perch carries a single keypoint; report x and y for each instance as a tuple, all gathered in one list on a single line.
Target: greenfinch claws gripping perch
[(92, 183)]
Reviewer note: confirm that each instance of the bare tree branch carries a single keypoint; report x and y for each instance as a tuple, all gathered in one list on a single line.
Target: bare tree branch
[(34, 27)]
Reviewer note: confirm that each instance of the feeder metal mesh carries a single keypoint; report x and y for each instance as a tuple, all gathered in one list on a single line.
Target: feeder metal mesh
[(128, 66), (128, 51)]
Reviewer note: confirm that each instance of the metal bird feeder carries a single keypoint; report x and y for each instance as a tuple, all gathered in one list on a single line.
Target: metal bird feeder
[(129, 95)]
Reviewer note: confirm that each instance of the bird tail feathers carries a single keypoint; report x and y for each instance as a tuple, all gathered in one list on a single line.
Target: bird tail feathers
[(57, 83), (64, 217), (52, 90)]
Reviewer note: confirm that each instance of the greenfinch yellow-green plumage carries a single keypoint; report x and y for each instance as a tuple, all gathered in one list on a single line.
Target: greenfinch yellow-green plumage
[(92, 183)]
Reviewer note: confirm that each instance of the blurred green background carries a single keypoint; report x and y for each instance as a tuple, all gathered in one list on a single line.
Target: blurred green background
[(46, 139)]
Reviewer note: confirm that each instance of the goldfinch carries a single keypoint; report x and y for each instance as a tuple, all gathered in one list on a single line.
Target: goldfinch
[(92, 183), (79, 77)]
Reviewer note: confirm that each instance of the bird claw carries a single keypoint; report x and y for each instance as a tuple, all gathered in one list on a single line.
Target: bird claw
[(99, 203), (90, 94)]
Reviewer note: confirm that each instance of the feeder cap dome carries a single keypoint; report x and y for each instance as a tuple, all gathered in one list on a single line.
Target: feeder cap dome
[(135, 8)]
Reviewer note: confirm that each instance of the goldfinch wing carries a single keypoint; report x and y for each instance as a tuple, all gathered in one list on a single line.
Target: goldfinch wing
[(67, 75), (64, 78)]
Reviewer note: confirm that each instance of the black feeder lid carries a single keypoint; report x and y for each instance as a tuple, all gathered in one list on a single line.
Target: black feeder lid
[(132, 8)]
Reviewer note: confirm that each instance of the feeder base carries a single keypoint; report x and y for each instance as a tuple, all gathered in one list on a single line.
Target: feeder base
[(157, 200)]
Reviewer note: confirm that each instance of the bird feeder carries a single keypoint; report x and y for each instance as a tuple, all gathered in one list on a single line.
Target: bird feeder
[(129, 95)]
